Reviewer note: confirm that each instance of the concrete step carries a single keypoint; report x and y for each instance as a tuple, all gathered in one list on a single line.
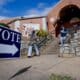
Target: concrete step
[(51, 48)]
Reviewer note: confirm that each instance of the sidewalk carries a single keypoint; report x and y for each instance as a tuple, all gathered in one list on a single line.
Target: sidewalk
[(41, 68)]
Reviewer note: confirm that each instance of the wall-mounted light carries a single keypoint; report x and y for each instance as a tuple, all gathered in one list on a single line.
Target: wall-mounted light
[(52, 20)]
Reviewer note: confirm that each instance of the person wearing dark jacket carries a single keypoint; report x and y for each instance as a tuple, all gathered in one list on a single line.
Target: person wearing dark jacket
[(63, 35)]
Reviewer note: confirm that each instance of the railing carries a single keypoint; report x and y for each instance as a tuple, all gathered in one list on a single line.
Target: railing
[(43, 41), (40, 43)]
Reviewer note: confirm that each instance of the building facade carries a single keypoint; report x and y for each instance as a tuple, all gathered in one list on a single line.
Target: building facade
[(24, 25), (54, 14)]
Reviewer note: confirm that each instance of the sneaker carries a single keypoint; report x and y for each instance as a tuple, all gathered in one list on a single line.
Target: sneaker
[(29, 56), (36, 55)]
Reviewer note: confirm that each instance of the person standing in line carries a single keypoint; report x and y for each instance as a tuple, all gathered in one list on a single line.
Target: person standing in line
[(63, 36), (32, 44)]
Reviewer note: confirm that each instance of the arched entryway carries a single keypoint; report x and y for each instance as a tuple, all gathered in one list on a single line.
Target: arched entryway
[(68, 16), (68, 12), (69, 21)]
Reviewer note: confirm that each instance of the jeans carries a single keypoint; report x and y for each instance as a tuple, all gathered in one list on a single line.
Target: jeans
[(62, 40), (30, 50)]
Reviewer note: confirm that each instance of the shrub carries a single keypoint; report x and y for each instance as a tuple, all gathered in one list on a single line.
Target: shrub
[(42, 33), (60, 77)]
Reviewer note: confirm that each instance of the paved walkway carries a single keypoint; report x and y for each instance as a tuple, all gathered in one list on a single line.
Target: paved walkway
[(41, 68)]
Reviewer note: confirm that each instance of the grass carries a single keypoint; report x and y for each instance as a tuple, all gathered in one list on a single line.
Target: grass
[(60, 77)]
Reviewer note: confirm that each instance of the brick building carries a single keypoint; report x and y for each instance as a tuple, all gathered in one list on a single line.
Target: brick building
[(55, 12), (25, 25), (43, 22)]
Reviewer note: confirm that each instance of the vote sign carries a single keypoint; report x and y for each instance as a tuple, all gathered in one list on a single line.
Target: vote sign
[(10, 42)]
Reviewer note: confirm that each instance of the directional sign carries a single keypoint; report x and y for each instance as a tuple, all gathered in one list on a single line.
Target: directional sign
[(10, 42)]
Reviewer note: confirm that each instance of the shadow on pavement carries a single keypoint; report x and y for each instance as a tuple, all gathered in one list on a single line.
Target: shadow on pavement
[(20, 72)]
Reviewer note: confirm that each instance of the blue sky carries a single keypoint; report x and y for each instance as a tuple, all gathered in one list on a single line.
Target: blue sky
[(17, 8)]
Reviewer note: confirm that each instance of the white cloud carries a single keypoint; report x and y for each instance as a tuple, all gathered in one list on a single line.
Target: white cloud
[(38, 12), (32, 11), (41, 5), (42, 9), (46, 10), (3, 17)]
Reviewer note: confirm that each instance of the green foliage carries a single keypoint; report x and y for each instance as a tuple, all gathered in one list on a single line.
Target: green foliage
[(42, 33), (4, 25), (60, 77)]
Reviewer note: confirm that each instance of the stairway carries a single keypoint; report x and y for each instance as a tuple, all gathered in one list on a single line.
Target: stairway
[(50, 48), (46, 47)]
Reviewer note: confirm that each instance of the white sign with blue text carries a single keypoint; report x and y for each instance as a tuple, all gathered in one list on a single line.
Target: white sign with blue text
[(10, 42)]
